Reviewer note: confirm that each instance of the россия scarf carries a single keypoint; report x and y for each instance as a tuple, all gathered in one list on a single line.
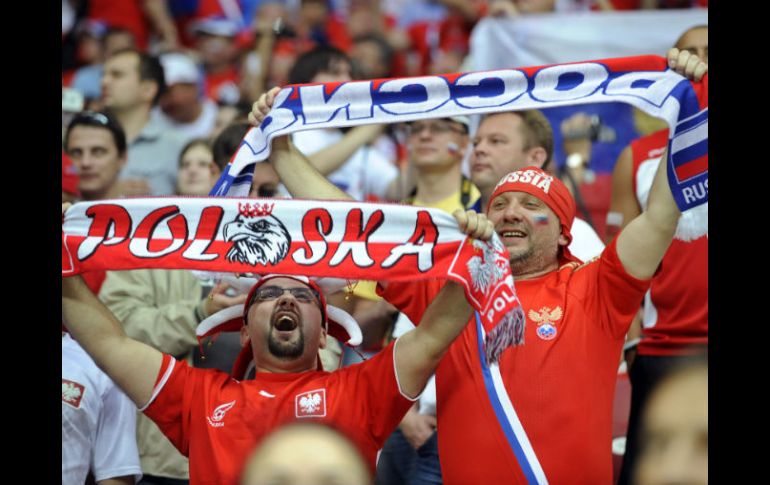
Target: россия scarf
[(645, 82)]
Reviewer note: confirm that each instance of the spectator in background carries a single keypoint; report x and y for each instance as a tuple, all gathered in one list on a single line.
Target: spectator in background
[(215, 42), (162, 308), (228, 114), (96, 144), (88, 78), (183, 108), (674, 433), (510, 141), (97, 423), (132, 84), (436, 151), (97, 418), (318, 26), (306, 453), (197, 170), (372, 56), (674, 321), (143, 18), (346, 158)]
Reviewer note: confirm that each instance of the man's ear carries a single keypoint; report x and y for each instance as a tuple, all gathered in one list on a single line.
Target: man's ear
[(148, 89), (322, 339), (563, 241), (537, 156), (244, 337)]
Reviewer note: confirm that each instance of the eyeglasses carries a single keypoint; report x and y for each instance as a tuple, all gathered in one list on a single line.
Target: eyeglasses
[(303, 294), (99, 118), (435, 128)]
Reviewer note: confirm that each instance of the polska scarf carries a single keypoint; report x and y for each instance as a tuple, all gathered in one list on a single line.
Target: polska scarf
[(645, 82), (383, 242)]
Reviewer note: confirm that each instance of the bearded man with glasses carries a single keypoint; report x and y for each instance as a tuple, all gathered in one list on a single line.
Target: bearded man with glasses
[(216, 420)]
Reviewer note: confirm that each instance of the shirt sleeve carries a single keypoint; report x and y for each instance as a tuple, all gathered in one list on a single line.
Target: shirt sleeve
[(134, 298), (616, 293), (411, 297), (170, 404), (115, 452), (376, 385)]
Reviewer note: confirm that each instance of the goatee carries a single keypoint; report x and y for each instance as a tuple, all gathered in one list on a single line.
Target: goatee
[(286, 350)]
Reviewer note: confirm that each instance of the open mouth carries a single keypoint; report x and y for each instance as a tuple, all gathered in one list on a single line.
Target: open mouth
[(285, 322)]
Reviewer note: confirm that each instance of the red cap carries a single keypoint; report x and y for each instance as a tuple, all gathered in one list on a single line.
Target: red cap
[(535, 181), (337, 323), (69, 176)]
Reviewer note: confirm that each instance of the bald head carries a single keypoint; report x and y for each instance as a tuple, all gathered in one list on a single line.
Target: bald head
[(306, 453), (696, 41)]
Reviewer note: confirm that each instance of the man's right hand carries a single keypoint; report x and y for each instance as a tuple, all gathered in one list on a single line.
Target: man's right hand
[(474, 224), (417, 428), (259, 111)]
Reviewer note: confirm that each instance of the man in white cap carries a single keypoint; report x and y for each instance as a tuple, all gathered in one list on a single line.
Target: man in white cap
[(182, 107), (216, 420)]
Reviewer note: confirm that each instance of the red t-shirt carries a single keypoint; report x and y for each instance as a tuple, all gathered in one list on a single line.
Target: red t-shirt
[(217, 421), (676, 314), (548, 405)]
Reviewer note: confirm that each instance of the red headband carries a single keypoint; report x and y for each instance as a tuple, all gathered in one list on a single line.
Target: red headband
[(551, 191)]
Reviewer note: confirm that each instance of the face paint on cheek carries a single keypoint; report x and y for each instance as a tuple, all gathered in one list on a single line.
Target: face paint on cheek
[(453, 148), (541, 219)]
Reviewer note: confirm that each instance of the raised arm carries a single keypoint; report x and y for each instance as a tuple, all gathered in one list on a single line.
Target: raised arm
[(299, 176), (131, 364), (419, 351), (643, 242)]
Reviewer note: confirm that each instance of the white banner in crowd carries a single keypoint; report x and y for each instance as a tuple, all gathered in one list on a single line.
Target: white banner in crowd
[(536, 40)]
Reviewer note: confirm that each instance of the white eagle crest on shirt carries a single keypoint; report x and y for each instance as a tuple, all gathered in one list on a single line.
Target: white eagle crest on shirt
[(70, 392), (489, 268), (310, 403)]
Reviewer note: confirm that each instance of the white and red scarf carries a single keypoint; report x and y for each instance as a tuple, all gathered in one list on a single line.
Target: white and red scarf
[(645, 82), (383, 242)]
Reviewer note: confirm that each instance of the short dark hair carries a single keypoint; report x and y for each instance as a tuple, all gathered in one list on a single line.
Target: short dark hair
[(387, 53), (98, 119), (536, 130), (192, 143), (150, 69), (314, 61), (226, 144)]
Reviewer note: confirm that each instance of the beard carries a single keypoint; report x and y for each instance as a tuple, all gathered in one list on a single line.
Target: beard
[(532, 259), (286, 350)]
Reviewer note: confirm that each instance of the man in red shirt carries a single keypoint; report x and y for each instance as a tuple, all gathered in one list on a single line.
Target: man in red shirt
[(217, 420), (674, 321), (544, 411)]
